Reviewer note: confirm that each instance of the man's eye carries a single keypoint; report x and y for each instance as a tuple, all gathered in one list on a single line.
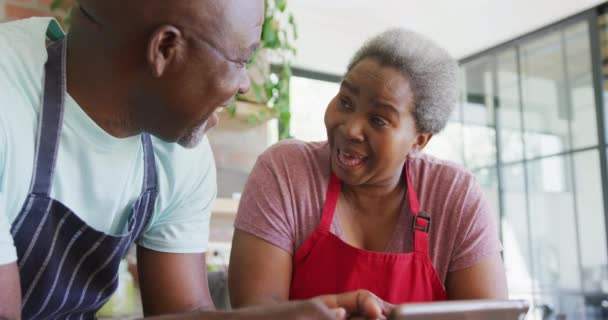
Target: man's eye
[(345, 104)]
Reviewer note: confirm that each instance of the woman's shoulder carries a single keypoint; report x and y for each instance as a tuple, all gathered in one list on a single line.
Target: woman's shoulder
[(428, 166), (299, 147), (283, 199), (438, 181)]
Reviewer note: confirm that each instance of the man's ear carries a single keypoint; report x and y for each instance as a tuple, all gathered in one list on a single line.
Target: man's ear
[(165, 48), (422, 139)]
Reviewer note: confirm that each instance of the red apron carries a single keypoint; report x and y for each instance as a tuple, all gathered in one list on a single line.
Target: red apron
[(325, 264)]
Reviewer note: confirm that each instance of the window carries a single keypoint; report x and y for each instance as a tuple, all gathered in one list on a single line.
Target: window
[(309, 99)]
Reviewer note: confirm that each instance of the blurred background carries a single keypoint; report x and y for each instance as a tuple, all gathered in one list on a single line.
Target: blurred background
[(530, 123)]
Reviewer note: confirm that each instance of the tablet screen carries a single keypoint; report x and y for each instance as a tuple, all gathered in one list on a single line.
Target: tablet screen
[(463, 310)]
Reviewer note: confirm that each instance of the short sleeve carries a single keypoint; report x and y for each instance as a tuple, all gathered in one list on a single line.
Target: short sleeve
[(183, 226), (8, 252), (264, 209), (477, 235)]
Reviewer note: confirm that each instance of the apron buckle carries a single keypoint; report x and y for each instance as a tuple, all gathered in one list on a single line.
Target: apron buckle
[(422, 227)]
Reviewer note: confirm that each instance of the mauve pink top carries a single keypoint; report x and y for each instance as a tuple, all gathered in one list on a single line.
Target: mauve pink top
[(283, 201)]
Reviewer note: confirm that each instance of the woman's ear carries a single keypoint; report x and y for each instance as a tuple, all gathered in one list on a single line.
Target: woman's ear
[(422, 139)]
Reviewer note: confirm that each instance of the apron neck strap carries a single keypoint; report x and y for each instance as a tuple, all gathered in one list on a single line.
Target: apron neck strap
[(412, 195), (421, 220), (150, 178), (331, 199), (51, 118), (51, 121)]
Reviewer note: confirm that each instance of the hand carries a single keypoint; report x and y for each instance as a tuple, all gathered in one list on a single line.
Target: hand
[(360, 303), (298, 310)]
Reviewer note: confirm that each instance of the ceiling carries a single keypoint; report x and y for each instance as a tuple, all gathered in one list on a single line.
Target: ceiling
[(331, 30)]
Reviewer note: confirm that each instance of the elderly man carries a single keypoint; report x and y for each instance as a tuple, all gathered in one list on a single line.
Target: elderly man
[(102, 145)]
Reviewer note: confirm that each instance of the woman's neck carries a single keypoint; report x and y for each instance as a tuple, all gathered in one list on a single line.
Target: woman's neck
[(367, 199)]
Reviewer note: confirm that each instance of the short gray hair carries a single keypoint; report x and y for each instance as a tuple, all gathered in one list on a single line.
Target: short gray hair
[(433, 73)]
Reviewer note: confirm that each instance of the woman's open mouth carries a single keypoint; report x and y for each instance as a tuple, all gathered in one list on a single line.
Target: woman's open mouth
[(349, 160)]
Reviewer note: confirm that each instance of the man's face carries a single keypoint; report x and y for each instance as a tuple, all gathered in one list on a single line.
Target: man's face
[(209, 74)]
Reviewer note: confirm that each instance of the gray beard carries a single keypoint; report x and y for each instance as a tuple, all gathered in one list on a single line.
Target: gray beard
[(193, 137)]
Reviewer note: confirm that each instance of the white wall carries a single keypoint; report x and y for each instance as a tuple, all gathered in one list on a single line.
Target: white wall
[(331, 30)]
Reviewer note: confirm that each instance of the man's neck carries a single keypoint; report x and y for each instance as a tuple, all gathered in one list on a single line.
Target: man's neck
[(97, 92)]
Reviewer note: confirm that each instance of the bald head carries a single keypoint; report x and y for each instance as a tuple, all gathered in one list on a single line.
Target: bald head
[(179, 60), (195, 17)]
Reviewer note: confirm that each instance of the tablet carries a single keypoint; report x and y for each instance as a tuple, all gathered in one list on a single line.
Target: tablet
[(462, 310)]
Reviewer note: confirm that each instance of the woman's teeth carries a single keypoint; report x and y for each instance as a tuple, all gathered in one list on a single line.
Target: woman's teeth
[(349, 160)]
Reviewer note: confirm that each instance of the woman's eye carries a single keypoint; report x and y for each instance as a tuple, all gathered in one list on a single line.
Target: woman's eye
[(378, 122)]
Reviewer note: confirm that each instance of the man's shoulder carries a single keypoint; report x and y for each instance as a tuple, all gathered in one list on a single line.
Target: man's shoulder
[(33, 22), (187, 187), (22, 43), (22, 58), (185, 167), (177, 156)]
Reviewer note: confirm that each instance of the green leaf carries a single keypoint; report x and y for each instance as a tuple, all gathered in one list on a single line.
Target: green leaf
[(252, 120), (270, 36), (284, 132), (253, 57), (286, 72), (257, 90), (232, 108), (268, 87), (68, 19), (262, 115), (294, 28), (285, 43), (56, 4), (285, 115), (281, 4), (266, 8), (279, 39), (283, 88)]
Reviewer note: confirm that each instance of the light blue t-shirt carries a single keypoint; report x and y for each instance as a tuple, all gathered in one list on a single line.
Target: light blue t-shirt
[(97, 175)]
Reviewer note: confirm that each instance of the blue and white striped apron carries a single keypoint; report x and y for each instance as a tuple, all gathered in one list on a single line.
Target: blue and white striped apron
[(68, 270)]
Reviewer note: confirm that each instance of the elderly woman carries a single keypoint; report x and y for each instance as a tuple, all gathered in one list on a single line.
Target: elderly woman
[(366, 209)]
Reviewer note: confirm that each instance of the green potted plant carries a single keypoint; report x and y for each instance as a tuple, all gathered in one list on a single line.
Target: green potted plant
[(270, 68)]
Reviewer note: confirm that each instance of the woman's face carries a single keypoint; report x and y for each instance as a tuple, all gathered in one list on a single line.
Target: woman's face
[(371, 126)]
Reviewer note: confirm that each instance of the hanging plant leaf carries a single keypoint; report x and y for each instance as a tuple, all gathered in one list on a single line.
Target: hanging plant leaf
[(286, 71), (281, 4), (257, 90), (294, 28), (270, 36), (268, 87), (232, 108), (68, 18), (252, 120), (263, 115), (56, 4), (253, 57)]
